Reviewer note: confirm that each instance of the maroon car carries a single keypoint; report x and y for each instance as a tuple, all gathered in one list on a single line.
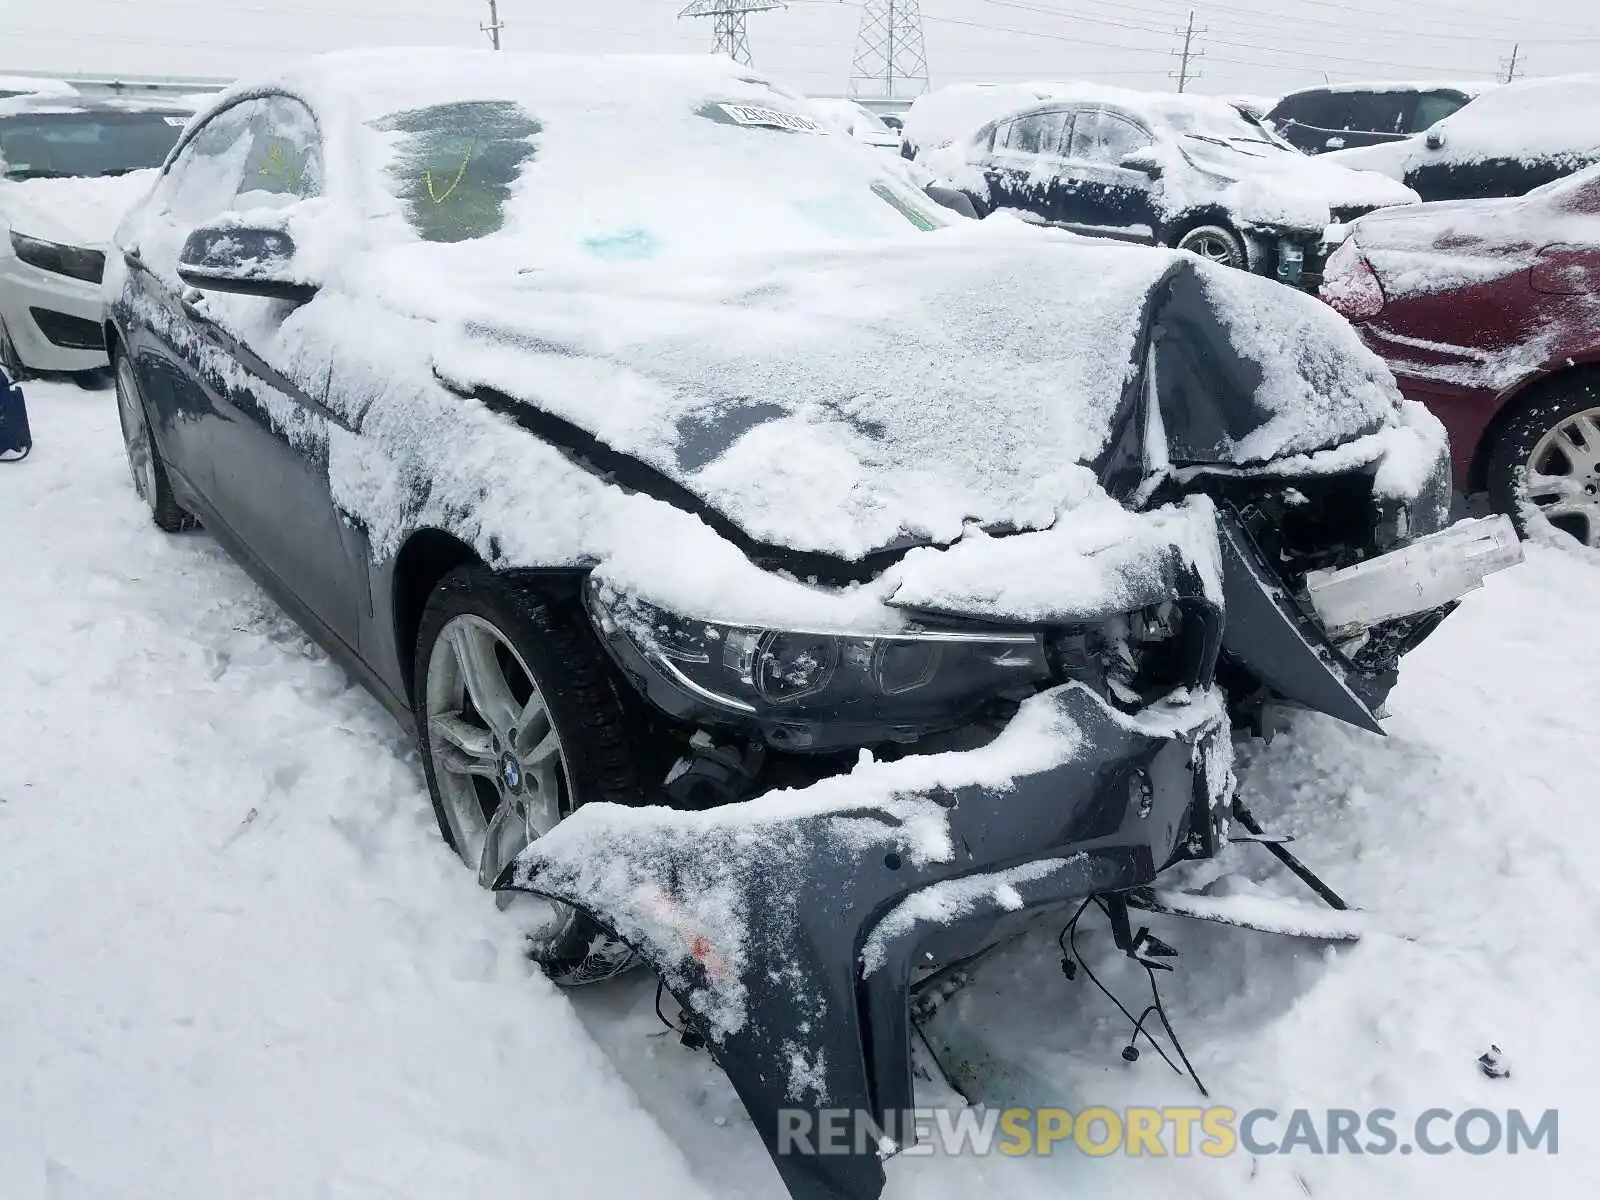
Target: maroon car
[(1488, 312)]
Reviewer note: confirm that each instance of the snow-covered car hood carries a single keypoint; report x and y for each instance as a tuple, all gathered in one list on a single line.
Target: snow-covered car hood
[(1278, 179), (74, 212), (847, 402)]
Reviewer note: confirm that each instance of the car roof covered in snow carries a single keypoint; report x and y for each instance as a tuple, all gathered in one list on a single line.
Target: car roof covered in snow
[(368, 84), (1467, 87), (957, 112), (77, 103)]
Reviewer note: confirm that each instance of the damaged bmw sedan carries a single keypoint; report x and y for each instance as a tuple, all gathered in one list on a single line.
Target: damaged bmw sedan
[(792, 584)]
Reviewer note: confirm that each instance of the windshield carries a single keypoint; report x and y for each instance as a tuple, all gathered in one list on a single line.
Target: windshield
[(747, 172), (46, 145), (1222, 126)]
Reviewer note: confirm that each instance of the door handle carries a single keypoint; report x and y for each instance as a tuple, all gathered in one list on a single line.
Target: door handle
[(193, 301)]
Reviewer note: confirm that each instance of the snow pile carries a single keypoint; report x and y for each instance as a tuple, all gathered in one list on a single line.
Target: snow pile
[(856, 120), (77, 211)]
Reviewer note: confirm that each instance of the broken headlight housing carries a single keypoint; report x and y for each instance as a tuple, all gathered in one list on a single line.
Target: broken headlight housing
[(817, 690)]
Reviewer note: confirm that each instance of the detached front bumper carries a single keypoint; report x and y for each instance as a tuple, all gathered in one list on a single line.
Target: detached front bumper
[(789, 927)]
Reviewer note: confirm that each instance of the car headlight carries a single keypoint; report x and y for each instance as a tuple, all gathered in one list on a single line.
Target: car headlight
[(815, 689), (78, 262)]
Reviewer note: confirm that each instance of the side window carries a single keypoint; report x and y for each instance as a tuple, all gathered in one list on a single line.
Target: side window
[(204, 178), (1319, 110), (1432, 108), (1379, 112), (1104, 137), (284, 162), (1039, 133)]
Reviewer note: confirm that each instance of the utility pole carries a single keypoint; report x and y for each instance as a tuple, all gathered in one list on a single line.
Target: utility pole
[(494, 26), (1188, 54), (1511, 67)]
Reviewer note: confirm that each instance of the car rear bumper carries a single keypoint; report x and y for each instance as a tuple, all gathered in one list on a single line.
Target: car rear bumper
[(55, 322), (790, 927)]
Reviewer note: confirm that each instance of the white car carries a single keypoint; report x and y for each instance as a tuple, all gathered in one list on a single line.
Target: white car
[(858, 121), (69, 168)]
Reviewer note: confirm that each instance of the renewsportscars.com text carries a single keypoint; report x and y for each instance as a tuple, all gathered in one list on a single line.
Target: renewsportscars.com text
[(1214, 1132)]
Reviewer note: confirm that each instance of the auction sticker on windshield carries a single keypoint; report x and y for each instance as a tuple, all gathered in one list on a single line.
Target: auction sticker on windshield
[(754, 114)]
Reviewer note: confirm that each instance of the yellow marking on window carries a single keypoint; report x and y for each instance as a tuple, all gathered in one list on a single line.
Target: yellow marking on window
[(427, 176)]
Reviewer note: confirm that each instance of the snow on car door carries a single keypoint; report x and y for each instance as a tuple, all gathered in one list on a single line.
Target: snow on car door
[(270, 458), (169, 356), (1107, 199), (1025, 168)]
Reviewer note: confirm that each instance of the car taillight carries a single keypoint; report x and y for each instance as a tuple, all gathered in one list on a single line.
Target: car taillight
[(1349, 285)]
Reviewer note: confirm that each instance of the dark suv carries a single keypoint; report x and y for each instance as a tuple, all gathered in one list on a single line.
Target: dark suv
[(1190, 172), (1338, 118)]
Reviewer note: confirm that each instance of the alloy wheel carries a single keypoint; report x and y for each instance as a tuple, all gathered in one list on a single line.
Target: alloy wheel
[(498, 762), (1562, 476), (1211, 245)]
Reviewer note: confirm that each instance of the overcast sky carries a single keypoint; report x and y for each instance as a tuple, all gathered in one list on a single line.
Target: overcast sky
[(1250, 46)]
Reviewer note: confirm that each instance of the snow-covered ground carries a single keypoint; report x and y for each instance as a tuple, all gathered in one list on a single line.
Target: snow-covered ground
[(237, 961)]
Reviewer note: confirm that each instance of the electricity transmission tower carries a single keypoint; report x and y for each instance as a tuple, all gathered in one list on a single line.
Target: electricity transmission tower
[(1516, 61), (727, 23), (1187, 55), (890, 59)]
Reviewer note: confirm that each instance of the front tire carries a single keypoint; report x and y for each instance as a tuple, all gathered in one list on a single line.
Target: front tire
[(1547, 457), (520, 722), (144, 459), (1214, 243)]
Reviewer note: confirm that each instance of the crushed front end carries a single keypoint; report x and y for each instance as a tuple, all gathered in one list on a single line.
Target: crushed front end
[(1337, 556), (1075, 753)]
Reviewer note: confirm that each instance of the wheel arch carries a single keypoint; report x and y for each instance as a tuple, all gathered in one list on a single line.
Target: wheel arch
[(1514, 400), (1191, 219), (425, 558)]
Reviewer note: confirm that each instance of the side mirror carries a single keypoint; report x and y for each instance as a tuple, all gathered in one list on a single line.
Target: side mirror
[(1145, 161), (247, 259), (1434, 140)]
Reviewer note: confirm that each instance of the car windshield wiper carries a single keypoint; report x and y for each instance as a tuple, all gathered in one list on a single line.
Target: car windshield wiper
[(1206, 137), (40, 174)]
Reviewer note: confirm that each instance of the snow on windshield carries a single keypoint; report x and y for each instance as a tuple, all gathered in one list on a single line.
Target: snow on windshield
[(594, 160)]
